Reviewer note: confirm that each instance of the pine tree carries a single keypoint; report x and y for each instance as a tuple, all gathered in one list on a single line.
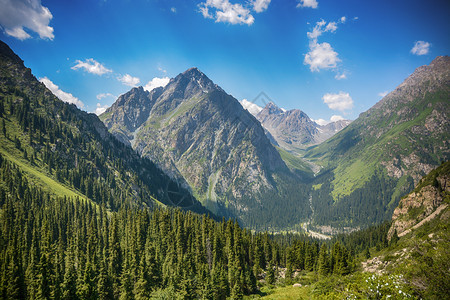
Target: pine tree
[(323, 261)]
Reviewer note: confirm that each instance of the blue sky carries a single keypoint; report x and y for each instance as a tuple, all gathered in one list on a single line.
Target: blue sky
[(325, 57)]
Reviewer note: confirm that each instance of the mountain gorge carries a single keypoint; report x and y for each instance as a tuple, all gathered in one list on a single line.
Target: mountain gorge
[(203, 138)]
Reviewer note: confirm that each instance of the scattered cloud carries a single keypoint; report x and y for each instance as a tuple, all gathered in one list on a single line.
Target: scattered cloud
[(343, 19), (383, 94), (260, 5), (333, 118), (105, 95), (66, 97), (100, 109), (421, 48), (16, 15), (156, 82), (307, 3), (340, 76), (91, 66), (226, 12), (129, 80), (341, 101), (322, 55), (251, 107), (162, 70), (173, 9)]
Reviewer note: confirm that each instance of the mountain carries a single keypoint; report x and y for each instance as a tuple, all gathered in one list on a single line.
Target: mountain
[(70, 153), (376, 159), (205, 140), (292, 130)]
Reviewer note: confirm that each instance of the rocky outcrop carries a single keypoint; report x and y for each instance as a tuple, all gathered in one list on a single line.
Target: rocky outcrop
[(423, 204)]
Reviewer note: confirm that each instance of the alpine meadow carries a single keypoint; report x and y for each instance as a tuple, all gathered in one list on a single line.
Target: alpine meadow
[(224, 149)]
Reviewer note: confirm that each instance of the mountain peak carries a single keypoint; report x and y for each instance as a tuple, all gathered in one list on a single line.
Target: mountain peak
[(272, 108)]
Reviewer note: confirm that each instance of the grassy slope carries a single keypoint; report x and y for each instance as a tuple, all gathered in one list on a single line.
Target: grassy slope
[(37, 173)]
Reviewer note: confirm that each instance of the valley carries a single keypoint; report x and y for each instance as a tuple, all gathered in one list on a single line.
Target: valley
[(181, 192)]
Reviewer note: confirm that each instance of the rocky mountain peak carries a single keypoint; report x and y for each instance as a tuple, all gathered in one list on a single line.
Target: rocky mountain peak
[(272, 108)]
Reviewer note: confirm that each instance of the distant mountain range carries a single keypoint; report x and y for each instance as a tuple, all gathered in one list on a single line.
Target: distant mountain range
[(292, 130)]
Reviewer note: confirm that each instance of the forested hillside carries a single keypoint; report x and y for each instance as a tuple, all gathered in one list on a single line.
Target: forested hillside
[(69, 248), (70, 152)]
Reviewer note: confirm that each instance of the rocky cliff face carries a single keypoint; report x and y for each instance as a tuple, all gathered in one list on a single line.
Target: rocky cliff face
[(430, 197), (203, 137)]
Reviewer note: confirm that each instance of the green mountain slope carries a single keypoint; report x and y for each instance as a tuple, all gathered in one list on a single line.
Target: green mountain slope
[(378, 157), (68, 152)]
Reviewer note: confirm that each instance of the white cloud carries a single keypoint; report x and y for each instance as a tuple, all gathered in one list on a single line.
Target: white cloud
[(156, 82), (251, 107), (100, 109), (224, 11), (105, 95), (91, 66), (340, 76), (421, 48), (322, 55), (383, 94), (173, 9), (343, 19), (129, 80), (66, 97), (260, 5), (341, 101), (162, 70), (15, 15), (333, 118), (308, 3)]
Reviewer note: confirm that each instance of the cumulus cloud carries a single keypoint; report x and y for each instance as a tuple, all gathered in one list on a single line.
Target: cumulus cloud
[(260, 5), (173, 9), (341, 101), (340, 76), (421, 48), (100, 109), (322, 55), (105, 95), (224, 11), (16, 15), (156, 82), (307, 3), (66, 97), (129, 80), (383, 94), (333, 118), (91, 66)]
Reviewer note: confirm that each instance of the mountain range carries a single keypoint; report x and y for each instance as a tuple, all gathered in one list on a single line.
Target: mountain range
[(292, 130)]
